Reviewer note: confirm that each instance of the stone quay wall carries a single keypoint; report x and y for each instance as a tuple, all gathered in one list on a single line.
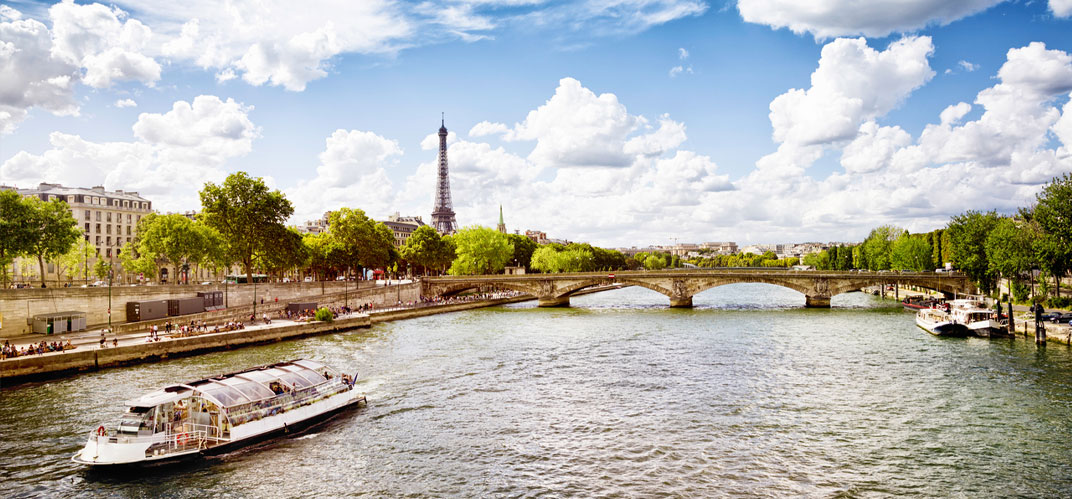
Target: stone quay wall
[(17, 306), (91, 359)]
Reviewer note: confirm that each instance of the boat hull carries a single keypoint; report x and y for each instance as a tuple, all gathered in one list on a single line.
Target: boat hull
[(946, 329)]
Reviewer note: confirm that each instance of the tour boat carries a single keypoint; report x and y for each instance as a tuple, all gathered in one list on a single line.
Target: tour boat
[(217, 414), (939, 323), (979, 319)]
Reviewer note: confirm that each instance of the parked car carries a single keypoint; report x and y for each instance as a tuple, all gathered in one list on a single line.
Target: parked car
[(1060, 317), (308, 279)]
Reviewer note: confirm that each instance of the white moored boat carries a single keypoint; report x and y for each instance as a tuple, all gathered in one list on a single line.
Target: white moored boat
[(979, 320), (216, 414), (939, 323)]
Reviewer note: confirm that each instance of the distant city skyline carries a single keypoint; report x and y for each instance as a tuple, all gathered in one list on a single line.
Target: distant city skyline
[(614, 123)]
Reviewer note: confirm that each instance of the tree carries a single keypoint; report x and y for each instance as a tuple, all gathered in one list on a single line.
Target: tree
[(425, 248), (288, 252), (16, 230), (480, 250), (101, 268), (967, 239), (524, 247), (549, 259), (878, 245), (56, 231), (1009, 249), (363, 242), (75, 263), (1053, 214), (911, 253), (135, 263), (174, 238), (246, 213)]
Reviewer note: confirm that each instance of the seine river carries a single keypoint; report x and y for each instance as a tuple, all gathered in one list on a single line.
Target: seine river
[(747, 394)]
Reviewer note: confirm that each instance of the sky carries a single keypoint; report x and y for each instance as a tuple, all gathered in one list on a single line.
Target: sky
[(614, 122)]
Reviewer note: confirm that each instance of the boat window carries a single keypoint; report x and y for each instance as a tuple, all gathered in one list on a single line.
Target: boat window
[(253, 390), (226, 395), (295, 380), (261, 376), (136, 418), (312, 376)]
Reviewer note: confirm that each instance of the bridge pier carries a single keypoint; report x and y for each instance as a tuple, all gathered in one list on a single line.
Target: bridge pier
[(553, 301), (816, 301), (681, 302)]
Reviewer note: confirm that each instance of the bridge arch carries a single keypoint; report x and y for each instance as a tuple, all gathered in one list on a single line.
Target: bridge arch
[(573, 288)]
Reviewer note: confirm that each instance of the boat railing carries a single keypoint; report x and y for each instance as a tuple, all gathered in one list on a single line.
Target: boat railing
[(176, 437)]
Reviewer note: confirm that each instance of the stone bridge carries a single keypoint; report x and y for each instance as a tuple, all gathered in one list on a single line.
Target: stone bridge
[(817, 286)]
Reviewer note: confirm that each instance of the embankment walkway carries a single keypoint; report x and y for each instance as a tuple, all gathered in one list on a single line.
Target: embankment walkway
[(134, 347)]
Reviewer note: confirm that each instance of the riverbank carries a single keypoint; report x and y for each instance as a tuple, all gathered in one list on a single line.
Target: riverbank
[(135, 349)]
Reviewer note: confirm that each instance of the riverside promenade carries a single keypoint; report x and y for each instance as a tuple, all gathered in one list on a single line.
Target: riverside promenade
[(134, 347)]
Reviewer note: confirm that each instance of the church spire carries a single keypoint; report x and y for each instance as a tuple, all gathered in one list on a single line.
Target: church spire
[(502, 225)]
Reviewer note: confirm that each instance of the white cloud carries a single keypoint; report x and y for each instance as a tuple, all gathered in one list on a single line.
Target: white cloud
[(97, 38), (1061, 8), (875, 18), (33, 77), (352, 166), (43, 67), (173, 155), (676, 70), (271, 42), (853, 83), (488, 128), (969, 67), (575, 127), (682, 54), (126, 103)]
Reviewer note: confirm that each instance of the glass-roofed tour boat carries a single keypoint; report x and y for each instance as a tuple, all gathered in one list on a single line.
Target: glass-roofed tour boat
[(217, 414)]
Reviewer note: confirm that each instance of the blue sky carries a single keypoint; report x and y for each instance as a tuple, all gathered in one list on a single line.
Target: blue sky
[(782, 122)]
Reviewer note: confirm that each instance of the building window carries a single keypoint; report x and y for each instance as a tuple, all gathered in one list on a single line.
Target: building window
[(107, 229), (87, 215), (98, 241), (51, 267), (128, 239), (109, 252), (128, 230), (128, 217), (139, 218), (87, 227), (108, 217), (126, 204), (98, 216), (98, 229)]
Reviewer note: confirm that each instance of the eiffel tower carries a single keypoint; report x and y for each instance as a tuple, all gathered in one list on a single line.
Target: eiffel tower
[(443, 213)]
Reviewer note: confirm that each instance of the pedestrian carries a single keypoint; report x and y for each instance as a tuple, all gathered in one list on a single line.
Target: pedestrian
[(115, 341)]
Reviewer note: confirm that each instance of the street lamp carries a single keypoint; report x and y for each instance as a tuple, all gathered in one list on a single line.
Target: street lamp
[(110, 296)]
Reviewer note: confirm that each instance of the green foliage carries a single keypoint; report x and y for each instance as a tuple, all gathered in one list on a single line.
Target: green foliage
[(1009, 250), (426, 248), (16, 230), (967, 237), (877, 249), (362, 241), (75, 263), (322, 254), (523, 250), (324, 315), (246, 214), (101, 268), (135, 263), (288, 251), (55, 230), (1064, 302), (480, 250), (911, 253), (550, 260), (1020, 291)]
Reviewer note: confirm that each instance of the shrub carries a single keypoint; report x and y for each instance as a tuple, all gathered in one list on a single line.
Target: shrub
[(324, 315), (1019, 292), (1059, 302)]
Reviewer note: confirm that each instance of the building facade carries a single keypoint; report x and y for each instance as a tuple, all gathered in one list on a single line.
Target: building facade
[(402, 227), (107, 220)]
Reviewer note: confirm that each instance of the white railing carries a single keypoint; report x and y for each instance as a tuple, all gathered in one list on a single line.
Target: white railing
[(175, 438)]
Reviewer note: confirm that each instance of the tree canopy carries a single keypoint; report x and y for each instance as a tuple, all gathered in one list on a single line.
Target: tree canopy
[(247, 215), (480, 250), (55, 228)]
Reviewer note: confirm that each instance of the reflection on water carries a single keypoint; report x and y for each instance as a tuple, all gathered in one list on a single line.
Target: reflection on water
[(747, 394)]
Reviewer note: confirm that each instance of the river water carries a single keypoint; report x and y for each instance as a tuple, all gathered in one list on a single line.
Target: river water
[(746, 394)]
